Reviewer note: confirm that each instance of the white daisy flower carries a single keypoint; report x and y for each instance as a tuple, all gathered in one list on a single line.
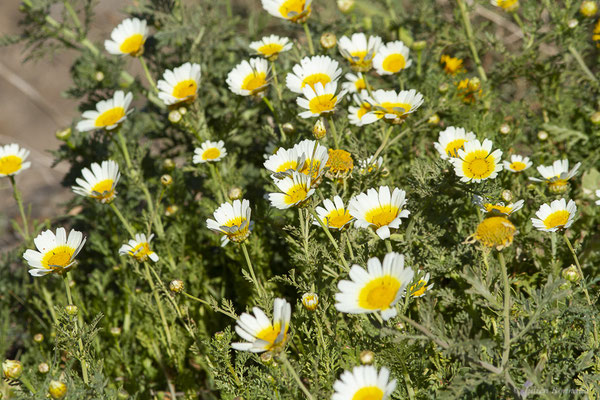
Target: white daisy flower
[(232, 220), (360, 114), (369, 165), (269, 47), (293, 10), (108, 114), (55, 253), (12, 159), (359, 51), (598, 195), (260, 333), (180, 84), (209, 152), (315, 158), (477, 162), (557, 175), (451, 140), (128, 38), (295, 190), (249, 78), (284, 162), (379, 209), (517, 163), (498, 208), (364, 383), (354, 83), (100, 182), (394, 107), (312, 70), (391, 58), (334, 215), (320, 101), (139, 248), (557, 216), (418, 289), (507, 5), (375, 289)]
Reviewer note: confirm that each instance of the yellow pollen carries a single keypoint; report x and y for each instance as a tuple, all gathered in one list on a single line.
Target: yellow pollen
[(558, 186), (495, 232), (453, 146), (58, 258), (185, 89), (293, 9), (103, 190), (337, 218), (379, 293), (382, 215), (286, 166), (141, 251), (517, 166), (368, 393), (110, 117), (10, 164), (322, 104), (211, 154), (270, 49), (421, 290), (478, 165), (360, 84), (296, 194), (133, 44), (557, 219), (313, 79), (399, 109), (394, 63), (239, 235), (270, 333), (339, 161), (254, 82)]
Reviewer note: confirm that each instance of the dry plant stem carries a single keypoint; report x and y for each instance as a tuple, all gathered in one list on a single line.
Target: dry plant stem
[(582, 284), (276, 82), (259, 287), (333, 132), (148, 75), (582, 64), (292, 372), (19, 200), (331, 239), (469, 32), (159, 306), (66, 278), (506, 313), (123, 220), (311, 48)]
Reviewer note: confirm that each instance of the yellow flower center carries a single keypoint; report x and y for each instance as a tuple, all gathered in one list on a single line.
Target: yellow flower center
[(422, 289), (133, 44), (211, 154), (337, 218), (141, 251), (185, 89), (270, 49), (322, 104), (557, 219), (316, 164), (382, 215), (339, 161), (313, 79), (296, 194), (254, 82), (364, 108), (110, 117), (399, 109), (478, 165), (286, 166), (270, 333), (517, 166), (368, 393), (558, 186), (453, 146), (495, 232), (379, 293), (10, 164), (498, 208), (237, 234), (394, 63), (360, 84), (103, 190), (293, 9), (58, 258)]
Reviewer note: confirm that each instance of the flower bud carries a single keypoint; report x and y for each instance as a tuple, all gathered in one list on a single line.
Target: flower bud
[(434, 119), (571, 274), (266, 358), (166, 180), (71, 309), (175, 116), (572, 23), (43, 368), (542, 135), (474, 84), (507, 195), (367, 24), (38, 338), (319, 130), (367, 357), (419, 45), (171, 210), (288, 128), (176, 286), (588, 8), (12, 369), (63, 134), (169, 164), (235, 193), (57, 389), (182, 110), (443, 88), (219, 335), (328, 40), (99, 76), (505, 129), (115, 331), (345, 6), (310, 301), (122, 394), (400, 326), (595, 118)]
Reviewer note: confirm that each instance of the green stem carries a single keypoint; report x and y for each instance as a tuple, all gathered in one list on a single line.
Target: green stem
[(159, 306), (147, 72), (349, 244), (270, 106), (384, 142), (123, 145), (217, 177), (469, 32), (50, 303), (331, 239), (388, 245), (228, 9), (419, 62), (259, 286), (506, 313), (206, 303), (364, 76), (292, 371), (407, 382), (276, 82), (311, 48), (123, 220), (333, 132), (73, 15), (66, 278), (154, 217), (19, 200), (582, 64), (27, 384)]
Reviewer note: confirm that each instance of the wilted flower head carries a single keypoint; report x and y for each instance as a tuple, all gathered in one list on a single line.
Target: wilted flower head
[(495, 232)]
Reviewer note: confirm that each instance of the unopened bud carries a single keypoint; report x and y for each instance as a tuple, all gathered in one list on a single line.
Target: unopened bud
[(505, 129), (176, 286), (319, 130), (310, 301), (38, 338), (571, 274), (367, 357), (57, 389), (419, 45), (12, 369), (99, 76), (169, 164), (443, 88), (171, 210), (288, 128), (182, 110), (115, 331), (474, 84), (71, 309), (434, 119), (507, 195), (345, 6), (595, 118), (175, 116), (542, 135), (328, 40), (235, 193), (572, 23), (400, 326), (43, 368), (266, 358), (63, 134), (166, 179), (219, 335), (122, 394), (588, 8)]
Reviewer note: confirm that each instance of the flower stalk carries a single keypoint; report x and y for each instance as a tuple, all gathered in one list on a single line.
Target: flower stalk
[(66, 278), (470, 38), (19, 200)]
